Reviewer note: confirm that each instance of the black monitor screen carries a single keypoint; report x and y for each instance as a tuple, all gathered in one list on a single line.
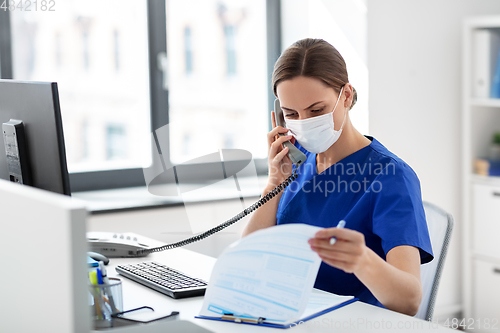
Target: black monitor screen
[(36, 104)]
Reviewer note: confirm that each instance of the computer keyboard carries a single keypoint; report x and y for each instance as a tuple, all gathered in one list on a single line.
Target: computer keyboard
[(164, 279)]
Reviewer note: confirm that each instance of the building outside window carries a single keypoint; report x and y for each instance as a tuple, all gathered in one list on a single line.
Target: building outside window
[(230, 49), (188, 50), (116, 43), (116, 138), (97, 52), (224, 102)]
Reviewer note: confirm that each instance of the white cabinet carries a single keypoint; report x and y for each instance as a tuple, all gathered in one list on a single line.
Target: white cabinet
[(486, 220), (480, 222), (486, 309)]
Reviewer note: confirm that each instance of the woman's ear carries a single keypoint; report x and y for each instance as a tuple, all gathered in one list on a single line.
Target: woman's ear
[(349, 93)]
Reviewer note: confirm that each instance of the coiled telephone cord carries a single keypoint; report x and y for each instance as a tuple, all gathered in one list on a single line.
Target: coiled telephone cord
[(226, 224)]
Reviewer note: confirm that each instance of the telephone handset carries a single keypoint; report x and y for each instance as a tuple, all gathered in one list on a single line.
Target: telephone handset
[(296, 156)]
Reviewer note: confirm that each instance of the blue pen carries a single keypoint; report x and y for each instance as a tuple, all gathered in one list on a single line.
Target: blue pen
[(105, 279), (104, 274), (340, 226), (99, 276), (107, 311)]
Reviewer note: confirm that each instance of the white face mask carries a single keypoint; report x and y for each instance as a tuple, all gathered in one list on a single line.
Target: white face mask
[(316, 134)]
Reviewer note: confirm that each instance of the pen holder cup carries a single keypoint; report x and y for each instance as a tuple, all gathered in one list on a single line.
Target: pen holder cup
[(105, 300)]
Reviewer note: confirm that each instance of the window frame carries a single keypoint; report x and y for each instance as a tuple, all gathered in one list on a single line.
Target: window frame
[(157, 44), (5, 46)]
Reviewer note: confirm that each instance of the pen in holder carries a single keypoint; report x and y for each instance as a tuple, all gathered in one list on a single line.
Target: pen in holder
[(105, 300)]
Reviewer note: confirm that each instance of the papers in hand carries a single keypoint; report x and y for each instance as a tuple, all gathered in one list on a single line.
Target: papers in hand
[(268, 274)]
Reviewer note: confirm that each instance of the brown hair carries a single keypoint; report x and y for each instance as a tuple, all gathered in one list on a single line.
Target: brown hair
[(313, 58)]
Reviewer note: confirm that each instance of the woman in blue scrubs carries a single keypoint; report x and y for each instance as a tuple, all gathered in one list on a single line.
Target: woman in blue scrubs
[(347, 176)]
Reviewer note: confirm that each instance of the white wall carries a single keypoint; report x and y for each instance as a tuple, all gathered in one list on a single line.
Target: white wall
[(415, 72)]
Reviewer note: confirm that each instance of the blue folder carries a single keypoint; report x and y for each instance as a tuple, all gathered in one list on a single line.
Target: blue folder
[(262, 322), (495, 82)]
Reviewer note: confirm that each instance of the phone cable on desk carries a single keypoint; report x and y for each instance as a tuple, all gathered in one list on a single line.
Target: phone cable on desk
[(226, 224)]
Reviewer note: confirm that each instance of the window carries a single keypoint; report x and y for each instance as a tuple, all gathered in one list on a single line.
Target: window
[(97, 52), (116, 42), (116, 83), (85, 48), (224, 102), (58, 50), (230, 50), (188, 50), (116, 138), (85, 140)]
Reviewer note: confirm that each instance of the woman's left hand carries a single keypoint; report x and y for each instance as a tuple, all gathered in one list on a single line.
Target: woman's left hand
[(349, 253)]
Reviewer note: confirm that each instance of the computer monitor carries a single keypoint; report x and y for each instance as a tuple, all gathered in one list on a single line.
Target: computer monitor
[(36, 104)]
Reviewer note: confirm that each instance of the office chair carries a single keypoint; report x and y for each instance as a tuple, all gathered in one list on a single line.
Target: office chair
[(440, 225)]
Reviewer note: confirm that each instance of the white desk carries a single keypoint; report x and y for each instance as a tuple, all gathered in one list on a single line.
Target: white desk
[(357, 316)]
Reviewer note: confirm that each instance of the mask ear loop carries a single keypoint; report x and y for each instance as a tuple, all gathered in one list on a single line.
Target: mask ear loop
[(345, 113)]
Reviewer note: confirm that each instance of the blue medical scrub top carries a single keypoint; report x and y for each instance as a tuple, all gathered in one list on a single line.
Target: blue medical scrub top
[(375, 192)]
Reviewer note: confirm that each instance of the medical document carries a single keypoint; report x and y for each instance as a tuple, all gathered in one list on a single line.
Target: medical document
[(268, 274)]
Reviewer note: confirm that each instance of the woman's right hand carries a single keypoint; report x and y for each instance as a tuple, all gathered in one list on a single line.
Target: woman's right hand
[(280, 168), (280, 165)]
